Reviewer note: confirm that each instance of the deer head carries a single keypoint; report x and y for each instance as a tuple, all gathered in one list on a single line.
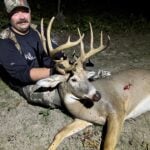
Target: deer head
[(75, 80)]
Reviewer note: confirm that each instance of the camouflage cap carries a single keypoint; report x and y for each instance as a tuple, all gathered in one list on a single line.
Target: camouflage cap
[(12, 4)]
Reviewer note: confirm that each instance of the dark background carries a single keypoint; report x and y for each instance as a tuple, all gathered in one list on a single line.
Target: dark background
[(116, 7), (93, 7), (127, 15)]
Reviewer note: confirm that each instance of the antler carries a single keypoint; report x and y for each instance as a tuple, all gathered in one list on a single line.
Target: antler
[(66, 45), (43, 39), (62, 65), (84, 56), (51, 50)]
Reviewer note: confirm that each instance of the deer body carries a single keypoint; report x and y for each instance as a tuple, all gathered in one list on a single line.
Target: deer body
[(129, 88), (109, 101), (124, 95)]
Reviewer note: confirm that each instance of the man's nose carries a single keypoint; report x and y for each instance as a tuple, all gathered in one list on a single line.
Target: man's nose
[(21, 14)]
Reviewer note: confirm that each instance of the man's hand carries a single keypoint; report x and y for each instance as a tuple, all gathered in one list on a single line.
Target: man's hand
[(62, 66)]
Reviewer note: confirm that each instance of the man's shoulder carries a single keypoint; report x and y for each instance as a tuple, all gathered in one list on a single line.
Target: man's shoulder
[(5, 44), (5, 39), (5, 33)]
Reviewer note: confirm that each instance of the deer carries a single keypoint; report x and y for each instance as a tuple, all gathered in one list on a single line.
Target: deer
[(106, 101)]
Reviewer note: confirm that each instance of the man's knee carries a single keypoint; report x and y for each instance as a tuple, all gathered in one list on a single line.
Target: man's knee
[(46, 98)]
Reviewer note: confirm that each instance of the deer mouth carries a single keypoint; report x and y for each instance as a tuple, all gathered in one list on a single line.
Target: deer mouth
[(88, 102), (94, 97)]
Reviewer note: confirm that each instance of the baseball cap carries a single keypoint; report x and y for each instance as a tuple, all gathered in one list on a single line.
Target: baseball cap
[(12, 4)]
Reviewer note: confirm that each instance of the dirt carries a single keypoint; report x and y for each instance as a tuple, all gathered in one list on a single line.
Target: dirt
[(27, 127)]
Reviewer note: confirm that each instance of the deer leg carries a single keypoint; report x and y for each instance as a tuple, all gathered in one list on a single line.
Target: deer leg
[(72, 128), (114, 126)]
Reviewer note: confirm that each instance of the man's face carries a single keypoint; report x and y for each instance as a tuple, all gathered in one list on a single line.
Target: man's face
[(20, 20)]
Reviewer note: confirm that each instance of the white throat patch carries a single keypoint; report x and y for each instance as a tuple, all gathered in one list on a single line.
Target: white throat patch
[(70, 98)]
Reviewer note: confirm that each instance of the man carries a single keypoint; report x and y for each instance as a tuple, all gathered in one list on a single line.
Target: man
[(22, 59)]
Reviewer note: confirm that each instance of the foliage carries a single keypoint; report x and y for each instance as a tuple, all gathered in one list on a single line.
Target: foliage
[(105, 22)]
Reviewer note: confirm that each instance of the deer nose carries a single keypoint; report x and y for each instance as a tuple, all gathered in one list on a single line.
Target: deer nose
[(97, 96)]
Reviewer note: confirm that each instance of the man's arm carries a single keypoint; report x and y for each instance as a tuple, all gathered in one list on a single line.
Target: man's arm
[(16, 65), (39, 73)]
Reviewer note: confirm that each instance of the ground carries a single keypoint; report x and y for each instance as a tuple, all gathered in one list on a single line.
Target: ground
[(27, 127)]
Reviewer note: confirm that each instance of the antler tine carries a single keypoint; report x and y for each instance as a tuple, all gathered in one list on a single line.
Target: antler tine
[(42, 36), (82, 52), (92, 50), (91, 31), (66, 45), (49, 43)]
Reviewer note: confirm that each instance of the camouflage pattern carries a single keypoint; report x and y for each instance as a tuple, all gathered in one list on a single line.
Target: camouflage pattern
[(47, 98), (12, 4)]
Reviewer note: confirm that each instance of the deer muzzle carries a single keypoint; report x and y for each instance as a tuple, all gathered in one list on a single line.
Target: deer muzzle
[(96, 97)]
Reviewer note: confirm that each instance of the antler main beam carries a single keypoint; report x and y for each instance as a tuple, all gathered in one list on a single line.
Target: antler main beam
[(43, 36)]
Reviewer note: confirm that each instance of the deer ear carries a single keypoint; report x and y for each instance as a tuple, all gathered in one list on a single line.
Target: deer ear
[(52, 81)]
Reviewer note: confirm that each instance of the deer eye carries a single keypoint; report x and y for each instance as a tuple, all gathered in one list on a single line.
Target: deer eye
[(73, 80)]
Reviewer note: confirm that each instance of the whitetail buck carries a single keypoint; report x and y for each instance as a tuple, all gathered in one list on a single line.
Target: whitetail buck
[(112, 100)]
